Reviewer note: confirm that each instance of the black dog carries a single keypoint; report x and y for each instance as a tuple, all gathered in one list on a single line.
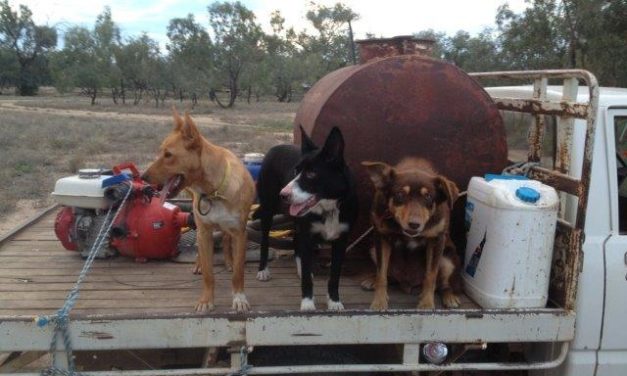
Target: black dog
[(320, 191)]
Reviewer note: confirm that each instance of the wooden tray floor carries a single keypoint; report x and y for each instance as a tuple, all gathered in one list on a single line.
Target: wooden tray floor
[(36, 273)]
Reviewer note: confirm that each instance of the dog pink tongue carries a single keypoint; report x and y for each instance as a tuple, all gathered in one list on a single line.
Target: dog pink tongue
[(167, 187), (295, 209)]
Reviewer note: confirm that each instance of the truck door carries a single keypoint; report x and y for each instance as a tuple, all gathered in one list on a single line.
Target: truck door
[(612, 358)]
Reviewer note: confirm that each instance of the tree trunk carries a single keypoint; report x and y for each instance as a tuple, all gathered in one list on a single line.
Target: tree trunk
[(26, 86), (94, 93), (289, 94), (352, 43), (249, 94), (114, 95), (122, 91)]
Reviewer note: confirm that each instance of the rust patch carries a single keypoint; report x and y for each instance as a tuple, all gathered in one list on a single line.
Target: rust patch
[(370, 49), (96, 335), (563, 108), (391, 108)]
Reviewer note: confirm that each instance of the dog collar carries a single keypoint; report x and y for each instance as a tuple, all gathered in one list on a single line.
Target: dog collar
[(216, 194), (227, 172)]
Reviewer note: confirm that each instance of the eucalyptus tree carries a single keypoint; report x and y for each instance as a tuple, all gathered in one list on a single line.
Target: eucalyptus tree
[(236, 45), (28, 42)]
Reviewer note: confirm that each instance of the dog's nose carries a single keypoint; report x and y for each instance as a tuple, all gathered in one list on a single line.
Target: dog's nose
[(145, 177), (414, 225)]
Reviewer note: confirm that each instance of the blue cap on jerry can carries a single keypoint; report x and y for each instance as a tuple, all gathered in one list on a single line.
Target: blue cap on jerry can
[(527, 194)]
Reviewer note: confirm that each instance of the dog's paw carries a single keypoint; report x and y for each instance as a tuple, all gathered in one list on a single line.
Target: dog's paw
[(202, 306), (332, 305), (307, 304), (426, 301), (379, 303), (368, 284), (196, 269), (264, 275), (450, 300), (240, 303)]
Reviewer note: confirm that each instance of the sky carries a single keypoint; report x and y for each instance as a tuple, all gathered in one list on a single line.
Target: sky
[(386, 18)]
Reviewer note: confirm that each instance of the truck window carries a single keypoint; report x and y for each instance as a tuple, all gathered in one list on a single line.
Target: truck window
[(620, 129)]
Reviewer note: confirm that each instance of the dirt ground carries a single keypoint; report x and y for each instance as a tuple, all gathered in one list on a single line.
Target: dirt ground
[(45, 138)]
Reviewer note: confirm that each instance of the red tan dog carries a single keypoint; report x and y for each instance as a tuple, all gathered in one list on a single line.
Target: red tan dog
[(411, 209), (223, 192)]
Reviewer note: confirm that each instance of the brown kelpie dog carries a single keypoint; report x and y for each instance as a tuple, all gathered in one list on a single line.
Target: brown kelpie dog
[(411, 211), (223, 192)]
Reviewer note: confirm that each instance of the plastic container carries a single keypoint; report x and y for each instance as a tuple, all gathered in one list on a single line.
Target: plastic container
[(253, 161), (511, 231)]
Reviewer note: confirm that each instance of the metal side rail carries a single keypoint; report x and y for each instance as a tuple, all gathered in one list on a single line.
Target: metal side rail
[(404, 327), (410, 364), (564, 177)]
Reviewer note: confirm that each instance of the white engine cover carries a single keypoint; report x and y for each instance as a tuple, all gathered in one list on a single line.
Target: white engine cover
[(82, 192)]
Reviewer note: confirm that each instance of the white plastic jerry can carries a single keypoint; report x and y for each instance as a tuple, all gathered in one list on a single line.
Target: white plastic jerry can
[(511, 230)]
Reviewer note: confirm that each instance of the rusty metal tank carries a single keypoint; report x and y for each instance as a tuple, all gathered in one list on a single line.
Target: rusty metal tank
[(398, 103)]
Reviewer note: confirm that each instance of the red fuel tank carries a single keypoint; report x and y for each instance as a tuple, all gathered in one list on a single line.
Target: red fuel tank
[(400, 103)]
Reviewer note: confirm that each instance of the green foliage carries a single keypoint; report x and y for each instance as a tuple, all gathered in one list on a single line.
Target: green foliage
[(232, 57), (141, 64), (28, 43), (191, 56), (237, 38), (87, 59)]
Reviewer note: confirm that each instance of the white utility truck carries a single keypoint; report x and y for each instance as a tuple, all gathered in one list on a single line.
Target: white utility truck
[(577, 144)]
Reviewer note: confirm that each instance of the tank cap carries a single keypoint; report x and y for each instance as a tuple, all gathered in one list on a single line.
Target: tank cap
[(527, 194)]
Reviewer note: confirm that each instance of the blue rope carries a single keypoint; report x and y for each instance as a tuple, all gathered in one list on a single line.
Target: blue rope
[(61, 318), (244, 367)]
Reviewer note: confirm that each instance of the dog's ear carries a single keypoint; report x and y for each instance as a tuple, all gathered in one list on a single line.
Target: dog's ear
[(446, 191), (178, 120), (190, 132), (306, 145), (333, 149), (380, 173)]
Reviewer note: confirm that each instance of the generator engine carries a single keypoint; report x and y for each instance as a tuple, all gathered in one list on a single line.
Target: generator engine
[(146, 226)]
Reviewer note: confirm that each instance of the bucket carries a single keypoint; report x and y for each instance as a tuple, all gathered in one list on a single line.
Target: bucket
[(253, 161), (511, 231)]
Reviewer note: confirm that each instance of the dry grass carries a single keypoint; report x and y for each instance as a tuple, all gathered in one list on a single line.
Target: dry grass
[(36, 148), (265, 113)]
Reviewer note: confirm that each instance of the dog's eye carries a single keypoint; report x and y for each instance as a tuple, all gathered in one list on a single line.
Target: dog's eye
[(167, 154), (310, 174), (399, 196)]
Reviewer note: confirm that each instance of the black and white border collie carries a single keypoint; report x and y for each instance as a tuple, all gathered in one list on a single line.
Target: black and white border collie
[(319, 188)]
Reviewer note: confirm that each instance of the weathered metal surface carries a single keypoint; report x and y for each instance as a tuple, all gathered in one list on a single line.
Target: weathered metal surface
[(569, 240), (536, 131), (323, 369), (407, 105), (387, 47), (562, 108), (295, 328), (566, 265), (443, 325), (557, 180)]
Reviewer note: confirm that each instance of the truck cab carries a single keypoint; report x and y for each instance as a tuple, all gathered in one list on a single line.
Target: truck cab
[(600, 343)]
